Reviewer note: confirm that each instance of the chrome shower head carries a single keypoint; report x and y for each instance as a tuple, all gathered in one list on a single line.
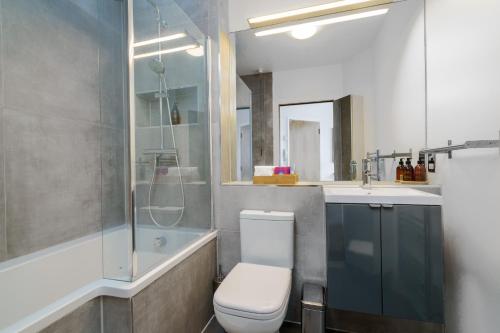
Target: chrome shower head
[(157, 66)]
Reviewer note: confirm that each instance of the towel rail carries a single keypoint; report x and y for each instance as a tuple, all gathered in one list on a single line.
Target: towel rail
[(394, 155), (474, 144)]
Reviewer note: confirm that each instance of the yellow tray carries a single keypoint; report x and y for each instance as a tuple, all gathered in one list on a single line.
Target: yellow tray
[(408, 182), (276, 180)]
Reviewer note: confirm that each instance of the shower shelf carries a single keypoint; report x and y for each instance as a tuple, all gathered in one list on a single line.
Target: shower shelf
[(165, 209), (167, 126), (194, 182), (152, 95), (169, 151), (148, 95)]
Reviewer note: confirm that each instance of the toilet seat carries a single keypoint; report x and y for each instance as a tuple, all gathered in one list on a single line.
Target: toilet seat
[(253, 297)]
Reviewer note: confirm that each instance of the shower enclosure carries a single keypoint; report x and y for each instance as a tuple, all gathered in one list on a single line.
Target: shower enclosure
[(169, 196)]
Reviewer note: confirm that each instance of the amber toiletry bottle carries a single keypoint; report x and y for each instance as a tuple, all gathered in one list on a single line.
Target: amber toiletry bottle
[(400, 170), (420, 171), (409, 174), (175, 115)]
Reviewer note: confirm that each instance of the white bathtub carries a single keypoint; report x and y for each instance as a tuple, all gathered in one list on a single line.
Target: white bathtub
[(40, 288), (149, 248)]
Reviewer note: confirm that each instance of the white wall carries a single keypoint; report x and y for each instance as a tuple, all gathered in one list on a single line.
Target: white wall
[(390, 76), (464, 104), (301, 86), (399, 79), (358, 80), (243, 94), (318, 112)]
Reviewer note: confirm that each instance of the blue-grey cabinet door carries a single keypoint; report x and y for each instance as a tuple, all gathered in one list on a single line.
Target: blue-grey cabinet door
[(354, 269), (412, 263)]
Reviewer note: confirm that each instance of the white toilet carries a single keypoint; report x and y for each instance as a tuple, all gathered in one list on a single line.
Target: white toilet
[(253, 298)]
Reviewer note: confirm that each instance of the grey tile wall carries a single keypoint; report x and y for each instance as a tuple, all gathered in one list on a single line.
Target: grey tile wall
[(113, 203), (261, 86), (85, 319), (205, 14), (50, 56), (3, 231), (310, 241), (198, 11), (1, 59), (3, 234), (113, 68), (61, 107), (180, 300), (117, 315), (52, 180)]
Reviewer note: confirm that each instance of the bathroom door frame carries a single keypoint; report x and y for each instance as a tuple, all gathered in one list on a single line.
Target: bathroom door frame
[(280, 148)]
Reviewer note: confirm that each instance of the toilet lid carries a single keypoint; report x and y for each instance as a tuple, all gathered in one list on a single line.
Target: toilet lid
[(254, 291)]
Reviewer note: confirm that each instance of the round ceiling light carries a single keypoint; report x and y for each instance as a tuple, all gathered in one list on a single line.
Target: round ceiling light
[(196, 52), (304, 32)]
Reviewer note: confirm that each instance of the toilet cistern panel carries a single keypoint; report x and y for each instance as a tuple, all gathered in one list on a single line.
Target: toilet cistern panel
[(267, 237)]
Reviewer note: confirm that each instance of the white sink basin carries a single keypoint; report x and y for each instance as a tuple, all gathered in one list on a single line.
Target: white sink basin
[(381, 195)]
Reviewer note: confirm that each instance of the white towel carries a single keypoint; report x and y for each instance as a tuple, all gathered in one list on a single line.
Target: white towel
[(263, 170)]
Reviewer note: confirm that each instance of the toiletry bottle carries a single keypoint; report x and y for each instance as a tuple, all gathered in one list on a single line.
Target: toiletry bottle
[(400, 171), (409, 174), (424, 171), (432, 165), (420, 171), (176, 116)]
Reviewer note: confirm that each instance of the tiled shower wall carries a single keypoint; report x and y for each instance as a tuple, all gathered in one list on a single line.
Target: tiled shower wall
[(62, 121)]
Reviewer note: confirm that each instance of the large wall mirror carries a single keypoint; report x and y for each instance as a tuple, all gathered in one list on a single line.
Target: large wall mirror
[(318, 97)]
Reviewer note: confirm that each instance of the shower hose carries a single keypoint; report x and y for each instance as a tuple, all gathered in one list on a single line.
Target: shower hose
[(176, 154)]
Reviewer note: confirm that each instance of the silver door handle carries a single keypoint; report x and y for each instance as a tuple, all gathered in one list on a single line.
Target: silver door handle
[(375, 205), (388, 205)]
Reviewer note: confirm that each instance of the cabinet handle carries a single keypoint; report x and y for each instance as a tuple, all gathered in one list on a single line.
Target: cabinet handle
[(375, 205), (388, 205)]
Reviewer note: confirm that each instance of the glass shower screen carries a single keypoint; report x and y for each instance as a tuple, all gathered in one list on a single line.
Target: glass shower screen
[(169, 145)]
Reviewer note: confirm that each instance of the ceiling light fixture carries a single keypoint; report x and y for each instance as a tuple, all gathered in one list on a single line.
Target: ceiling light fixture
[(167, 51), (161, 39), (196, 52), (313, 11), (304, 32), (333, 20)]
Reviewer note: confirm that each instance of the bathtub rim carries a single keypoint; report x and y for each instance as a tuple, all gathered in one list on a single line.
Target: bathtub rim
[(103, 287)]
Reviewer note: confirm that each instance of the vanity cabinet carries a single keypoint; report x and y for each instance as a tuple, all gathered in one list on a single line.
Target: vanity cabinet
[(386, 260), (354, 271)]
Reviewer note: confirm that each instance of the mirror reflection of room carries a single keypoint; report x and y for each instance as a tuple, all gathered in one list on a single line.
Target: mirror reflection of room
[(318, 100)]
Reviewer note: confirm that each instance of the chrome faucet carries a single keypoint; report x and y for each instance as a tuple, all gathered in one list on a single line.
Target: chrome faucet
[(367, 173)]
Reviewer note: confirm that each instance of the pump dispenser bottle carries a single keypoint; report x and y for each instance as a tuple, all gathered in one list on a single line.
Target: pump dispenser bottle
[(400, 170), (420, 171), (409, 173)]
